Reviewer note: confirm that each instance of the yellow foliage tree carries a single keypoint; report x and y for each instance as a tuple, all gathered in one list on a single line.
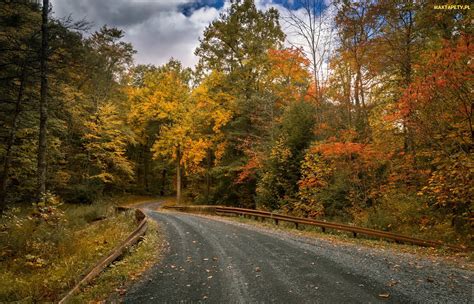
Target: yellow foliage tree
[(189, 122), (106, 142)]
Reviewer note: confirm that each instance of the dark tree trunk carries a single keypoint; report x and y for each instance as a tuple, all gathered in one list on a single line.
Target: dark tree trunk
[(42, 143), (11, 139), (163, 182), (146, 165), (208, 175), (406, 69), (178, 175)]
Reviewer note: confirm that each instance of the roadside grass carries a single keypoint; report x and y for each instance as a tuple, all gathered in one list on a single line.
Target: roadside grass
[(130, 200), (137, 201), (114, 281), (43, 254), (171, 201)]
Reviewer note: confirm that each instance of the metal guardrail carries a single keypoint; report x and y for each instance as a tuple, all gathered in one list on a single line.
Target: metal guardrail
[(311, 222), (118, 251)]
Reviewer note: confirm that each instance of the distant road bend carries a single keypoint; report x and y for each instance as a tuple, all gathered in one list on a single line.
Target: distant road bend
[(219, 261)]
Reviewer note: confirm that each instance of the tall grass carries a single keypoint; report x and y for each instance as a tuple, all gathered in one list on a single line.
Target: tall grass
[(41, 256)]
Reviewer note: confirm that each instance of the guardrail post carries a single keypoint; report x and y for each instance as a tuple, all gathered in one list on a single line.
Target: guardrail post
[(276, 221), (323, 229), (296, 225), (354, 234)]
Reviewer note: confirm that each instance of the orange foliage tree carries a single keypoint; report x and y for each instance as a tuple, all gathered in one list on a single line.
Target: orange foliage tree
[(438, 106)]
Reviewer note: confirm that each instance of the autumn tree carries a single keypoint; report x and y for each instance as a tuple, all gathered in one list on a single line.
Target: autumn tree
[(106, 144), (213, 108), (237, 45), (438, 106), (358, 24), (164, 100)]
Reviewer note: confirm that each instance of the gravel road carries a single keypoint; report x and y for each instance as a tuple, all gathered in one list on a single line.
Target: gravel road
[(219, 261)]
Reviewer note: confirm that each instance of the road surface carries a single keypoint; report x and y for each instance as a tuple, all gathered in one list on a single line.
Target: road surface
[(219, 261)]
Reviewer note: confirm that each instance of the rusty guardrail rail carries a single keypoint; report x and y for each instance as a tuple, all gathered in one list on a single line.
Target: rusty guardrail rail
[(131, 240), (311, 222)]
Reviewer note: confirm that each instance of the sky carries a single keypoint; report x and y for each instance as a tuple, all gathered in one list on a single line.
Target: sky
[(158, 29)]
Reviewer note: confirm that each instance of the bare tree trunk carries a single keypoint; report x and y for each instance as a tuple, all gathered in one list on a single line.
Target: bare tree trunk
[(11, 139), (42, 144), (178, 175)]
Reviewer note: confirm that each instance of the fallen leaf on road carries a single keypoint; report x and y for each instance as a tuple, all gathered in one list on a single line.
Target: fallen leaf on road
[(205, 259), (209, 277), (257, 269), (384, 295)]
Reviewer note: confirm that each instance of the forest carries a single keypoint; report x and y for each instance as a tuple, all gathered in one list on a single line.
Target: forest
[(367, 118)]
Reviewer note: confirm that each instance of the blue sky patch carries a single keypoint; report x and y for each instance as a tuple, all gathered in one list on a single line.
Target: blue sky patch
[(189, 8)]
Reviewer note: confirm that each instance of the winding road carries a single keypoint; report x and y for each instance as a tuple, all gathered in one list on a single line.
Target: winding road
[(211, 260)]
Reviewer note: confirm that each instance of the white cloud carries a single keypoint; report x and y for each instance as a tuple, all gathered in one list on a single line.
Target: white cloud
[(156, 28)]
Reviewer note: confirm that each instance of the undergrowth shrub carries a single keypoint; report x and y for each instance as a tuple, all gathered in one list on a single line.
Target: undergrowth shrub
[(410, 214)]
